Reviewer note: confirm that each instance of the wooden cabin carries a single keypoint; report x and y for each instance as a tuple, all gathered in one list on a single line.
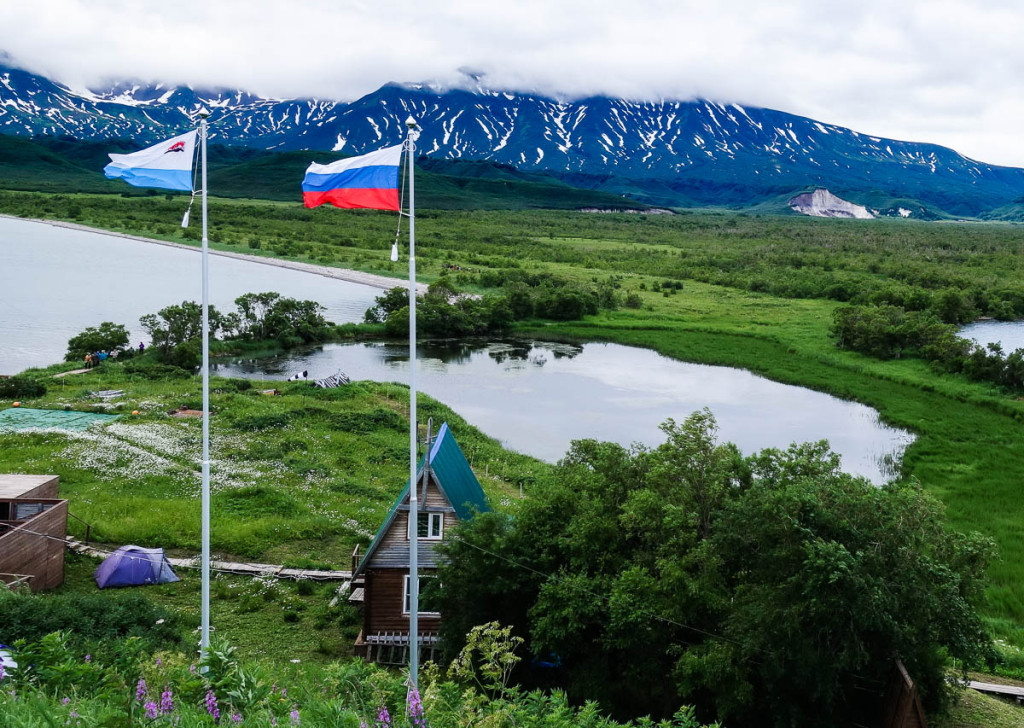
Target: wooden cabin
[(450, 493), (33, 526)]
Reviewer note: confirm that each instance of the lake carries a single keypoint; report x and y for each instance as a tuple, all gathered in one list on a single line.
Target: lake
[(57, 281), (536, 397), (1008, 333)]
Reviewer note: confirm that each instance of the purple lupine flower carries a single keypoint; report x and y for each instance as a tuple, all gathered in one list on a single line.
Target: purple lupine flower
[(293, 717), (88, 658), (151, 710), (140, 690), (166, 702), (65, 701), (362, 723), (192, 669), (415, 709), (383, 718), (211, 706), (159, 662), (236, 717), (284, 693), (1, 672)]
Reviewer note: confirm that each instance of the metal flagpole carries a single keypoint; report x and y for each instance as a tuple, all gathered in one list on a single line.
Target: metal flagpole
[(414, 581), (205, 639)]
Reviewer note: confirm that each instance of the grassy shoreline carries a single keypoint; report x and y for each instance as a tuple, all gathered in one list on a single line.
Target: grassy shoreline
[(970, 446)]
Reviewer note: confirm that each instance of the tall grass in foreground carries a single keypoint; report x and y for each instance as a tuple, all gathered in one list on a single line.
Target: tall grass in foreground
[(59, 686)]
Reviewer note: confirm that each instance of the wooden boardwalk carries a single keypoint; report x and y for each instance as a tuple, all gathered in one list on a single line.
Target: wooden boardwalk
[(1003, 691), (232, 567), (73, 371)]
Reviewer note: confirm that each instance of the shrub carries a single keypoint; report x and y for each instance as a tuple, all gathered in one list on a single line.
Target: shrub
[(91, 617), (21, 387)]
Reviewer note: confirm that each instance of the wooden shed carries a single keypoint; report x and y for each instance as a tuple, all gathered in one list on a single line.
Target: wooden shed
[(449, 494), (33, 527)]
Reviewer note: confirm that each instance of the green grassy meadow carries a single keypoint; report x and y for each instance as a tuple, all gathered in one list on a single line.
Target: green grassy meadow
[(756, 292), (300, 478)]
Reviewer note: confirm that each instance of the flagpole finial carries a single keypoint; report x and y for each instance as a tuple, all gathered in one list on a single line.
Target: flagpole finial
[(411, 123), (203, 112)]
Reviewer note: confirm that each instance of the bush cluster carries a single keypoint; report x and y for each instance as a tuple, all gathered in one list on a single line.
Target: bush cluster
[(444, 312), (20, 386), (772, 589), (175, 330), (891, 332), (93, 618)]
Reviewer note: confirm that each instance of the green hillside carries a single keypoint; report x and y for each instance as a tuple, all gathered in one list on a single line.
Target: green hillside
[(26, 165), (68, 165)]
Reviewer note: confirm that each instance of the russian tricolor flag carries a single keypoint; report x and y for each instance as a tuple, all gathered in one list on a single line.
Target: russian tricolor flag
[(369, 181)]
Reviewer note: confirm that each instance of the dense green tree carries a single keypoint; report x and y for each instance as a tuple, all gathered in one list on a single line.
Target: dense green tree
[(271, 316), (386, 304), (772, 590), (108, 336), (253, 311), (175, 332)]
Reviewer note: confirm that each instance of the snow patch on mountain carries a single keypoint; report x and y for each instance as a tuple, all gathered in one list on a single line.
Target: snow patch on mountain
[(666, 151), (822, 203)]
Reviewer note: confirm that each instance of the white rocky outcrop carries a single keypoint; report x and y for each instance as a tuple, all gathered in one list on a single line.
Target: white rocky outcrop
[(822, 203)]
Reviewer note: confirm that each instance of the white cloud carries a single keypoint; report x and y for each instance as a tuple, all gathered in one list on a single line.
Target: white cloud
[(943, 71)]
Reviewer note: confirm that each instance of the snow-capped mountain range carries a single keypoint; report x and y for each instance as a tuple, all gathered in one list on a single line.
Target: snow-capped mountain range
[(671, 151)]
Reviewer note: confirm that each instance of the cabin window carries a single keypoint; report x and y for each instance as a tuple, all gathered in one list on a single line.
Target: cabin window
[(430, 526), (25, 511), (430, 591)]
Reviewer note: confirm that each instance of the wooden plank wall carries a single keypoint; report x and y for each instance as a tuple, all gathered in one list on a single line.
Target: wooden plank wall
[(382, 608), (24, 552), (393, 550)]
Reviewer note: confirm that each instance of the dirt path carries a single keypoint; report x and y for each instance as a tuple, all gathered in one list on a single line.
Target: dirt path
[(341, 274)]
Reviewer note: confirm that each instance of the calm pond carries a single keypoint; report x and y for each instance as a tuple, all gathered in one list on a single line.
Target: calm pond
[(1010, 334), (56, 282), (536, 397)]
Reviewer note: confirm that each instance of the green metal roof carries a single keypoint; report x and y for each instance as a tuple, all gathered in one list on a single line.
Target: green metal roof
[(453, 476)]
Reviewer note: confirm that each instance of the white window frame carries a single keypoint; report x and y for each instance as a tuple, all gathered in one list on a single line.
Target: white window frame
[(405, 596), (433, 519)]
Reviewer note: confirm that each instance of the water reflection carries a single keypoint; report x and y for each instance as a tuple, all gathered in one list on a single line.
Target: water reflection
[(538, 396), (1009, 334)]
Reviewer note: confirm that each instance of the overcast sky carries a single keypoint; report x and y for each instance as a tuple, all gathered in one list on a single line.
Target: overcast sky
[(942, 71)]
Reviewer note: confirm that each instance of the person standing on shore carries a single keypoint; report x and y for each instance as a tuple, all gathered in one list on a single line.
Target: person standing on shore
[(88, 361), (142, 347)]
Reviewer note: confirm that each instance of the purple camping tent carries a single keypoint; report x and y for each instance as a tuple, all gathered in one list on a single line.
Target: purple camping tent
[(133, 566)]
